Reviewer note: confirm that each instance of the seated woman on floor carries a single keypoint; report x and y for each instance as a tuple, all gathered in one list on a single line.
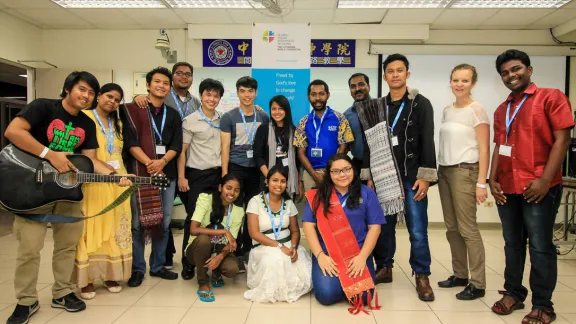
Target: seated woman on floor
[(342, 221), (215, 225), (279, 269)]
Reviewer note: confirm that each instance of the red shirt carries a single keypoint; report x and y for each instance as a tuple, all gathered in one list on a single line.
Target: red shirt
[(531, 136)]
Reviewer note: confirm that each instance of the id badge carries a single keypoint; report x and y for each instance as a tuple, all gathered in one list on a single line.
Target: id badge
[(250, 154), (114, 163), (505, 150), (394, 140), (285, 162), (160, 149), (316, 152)]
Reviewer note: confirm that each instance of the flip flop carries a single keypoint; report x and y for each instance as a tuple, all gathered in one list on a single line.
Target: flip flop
[(206, 296), (217, 282)]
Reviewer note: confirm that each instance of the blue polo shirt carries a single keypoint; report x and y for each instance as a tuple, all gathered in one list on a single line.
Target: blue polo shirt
[(357, 147), (334, 130)]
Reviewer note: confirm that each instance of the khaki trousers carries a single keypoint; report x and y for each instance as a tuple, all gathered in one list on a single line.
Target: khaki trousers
[(30, 235), (200, 250), (457, 186), (309, 182)]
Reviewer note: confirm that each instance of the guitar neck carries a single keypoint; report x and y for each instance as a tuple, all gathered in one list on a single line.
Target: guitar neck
[(101, 178)]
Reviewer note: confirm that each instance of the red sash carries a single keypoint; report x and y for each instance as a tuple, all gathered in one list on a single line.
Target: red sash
[(342, 247)]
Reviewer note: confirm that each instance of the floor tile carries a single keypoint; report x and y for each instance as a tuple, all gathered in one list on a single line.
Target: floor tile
[(44, 314), (517, 317), (278, 316), (337, 314), (169, 293), (446, 301), (303, 302), (92, 315), (127, 297), (447, 317), (228, 315), (388, 316), (153, 315)]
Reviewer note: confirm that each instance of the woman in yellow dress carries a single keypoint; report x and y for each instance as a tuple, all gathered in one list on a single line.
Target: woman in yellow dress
[(105, 249)]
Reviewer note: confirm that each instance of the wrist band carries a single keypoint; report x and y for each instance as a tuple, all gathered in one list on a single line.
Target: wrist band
[(44, 152), (318, 254), (481, 185)]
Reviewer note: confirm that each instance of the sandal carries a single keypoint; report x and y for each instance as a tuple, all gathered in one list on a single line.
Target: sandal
[(217, 282), (539, 318), (501, 309), (206, 296)]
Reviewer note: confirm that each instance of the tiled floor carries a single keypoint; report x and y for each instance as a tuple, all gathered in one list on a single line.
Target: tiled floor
[(168, 302)]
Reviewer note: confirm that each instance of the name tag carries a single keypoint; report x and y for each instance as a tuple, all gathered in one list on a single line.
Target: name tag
[(160, 149), (285, 162), (505, 150), (316, 152), (250, 154), (394, 140), (114, 163)]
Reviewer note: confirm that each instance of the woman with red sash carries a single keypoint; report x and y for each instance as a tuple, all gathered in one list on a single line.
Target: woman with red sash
[(342, 222)]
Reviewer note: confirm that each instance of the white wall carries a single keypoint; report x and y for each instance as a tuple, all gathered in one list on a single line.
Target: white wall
[(19, 40)]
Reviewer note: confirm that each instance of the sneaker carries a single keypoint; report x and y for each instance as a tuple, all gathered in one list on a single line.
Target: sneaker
[(71, 303), (241, 265), (164, 274), (22, 314)]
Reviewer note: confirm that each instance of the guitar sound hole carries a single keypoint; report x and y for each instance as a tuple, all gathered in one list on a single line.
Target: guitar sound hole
[(67, 180)]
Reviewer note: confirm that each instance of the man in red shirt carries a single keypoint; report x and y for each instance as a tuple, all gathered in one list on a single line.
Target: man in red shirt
[(532, 134)]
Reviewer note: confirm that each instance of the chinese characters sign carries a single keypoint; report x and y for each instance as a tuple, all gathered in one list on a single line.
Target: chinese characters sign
[(238, 52), (227, 52), (333, 53)]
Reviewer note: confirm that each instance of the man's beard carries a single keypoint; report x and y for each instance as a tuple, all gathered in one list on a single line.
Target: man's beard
[(319, 109), (365, 97)]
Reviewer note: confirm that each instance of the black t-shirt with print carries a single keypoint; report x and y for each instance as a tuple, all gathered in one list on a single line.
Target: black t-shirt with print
[(58, 130)]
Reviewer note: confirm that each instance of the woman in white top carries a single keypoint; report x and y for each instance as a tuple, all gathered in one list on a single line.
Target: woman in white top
[(464, 158), (278, 270)]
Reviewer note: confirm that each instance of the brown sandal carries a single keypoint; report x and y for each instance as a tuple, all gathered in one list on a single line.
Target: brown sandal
[(501, 309), (539, 318)]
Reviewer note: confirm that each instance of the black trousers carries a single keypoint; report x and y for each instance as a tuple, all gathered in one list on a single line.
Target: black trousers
[(250, 187)]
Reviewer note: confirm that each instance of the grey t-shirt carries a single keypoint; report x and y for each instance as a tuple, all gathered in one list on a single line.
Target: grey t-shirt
[(239, 144), (185, 108)]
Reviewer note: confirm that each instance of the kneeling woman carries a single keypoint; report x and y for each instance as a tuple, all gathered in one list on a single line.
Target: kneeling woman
[(279, 270), (342, 222), (215, 225)]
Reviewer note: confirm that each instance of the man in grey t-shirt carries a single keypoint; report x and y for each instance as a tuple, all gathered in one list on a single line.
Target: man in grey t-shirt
[(238, 128)]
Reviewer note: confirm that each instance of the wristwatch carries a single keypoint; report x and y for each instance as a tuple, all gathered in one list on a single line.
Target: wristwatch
[(280, 245), (481, 185)]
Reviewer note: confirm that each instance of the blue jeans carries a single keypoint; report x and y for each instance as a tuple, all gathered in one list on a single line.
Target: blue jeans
[(327, 290), (522, 222), (158, 255)]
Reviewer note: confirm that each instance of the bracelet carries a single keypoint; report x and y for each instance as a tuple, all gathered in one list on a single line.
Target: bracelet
[(318, 254), (481, 185), (163, 159), (44, 152)]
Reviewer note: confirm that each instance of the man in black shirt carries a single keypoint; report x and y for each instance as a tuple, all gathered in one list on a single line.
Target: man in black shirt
[(153, 150), (52, 130)]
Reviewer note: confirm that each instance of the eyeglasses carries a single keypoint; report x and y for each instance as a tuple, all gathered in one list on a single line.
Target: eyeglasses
[(180, 73), (343, 171)]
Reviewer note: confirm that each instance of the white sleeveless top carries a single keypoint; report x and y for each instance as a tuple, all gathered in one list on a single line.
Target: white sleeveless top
[(458, 143)]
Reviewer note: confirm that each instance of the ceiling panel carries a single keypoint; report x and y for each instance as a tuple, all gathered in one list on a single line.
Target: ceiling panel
[(29, 4), (310, 16), (155, 16), (454, 27), (53, 17), (104, 17), (452, 17), (315, 4), (557, 17), (350, 16), (411, 16), (248, 16), (517, 17), (204, 16), (500, 27)]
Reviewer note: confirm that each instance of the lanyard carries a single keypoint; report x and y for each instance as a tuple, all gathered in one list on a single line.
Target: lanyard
[(159, 133), (228, 219), (110, 134), (182, 112), (250, 136), (208, 121), (346, 196), (510, 120), (275, 230), (397, 115), (316, 128)]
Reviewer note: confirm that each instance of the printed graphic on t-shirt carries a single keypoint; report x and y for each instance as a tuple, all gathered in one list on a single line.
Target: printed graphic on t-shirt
[(64, 138)]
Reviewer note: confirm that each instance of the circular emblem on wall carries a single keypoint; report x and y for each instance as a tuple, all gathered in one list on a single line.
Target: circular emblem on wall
[(220, 52)]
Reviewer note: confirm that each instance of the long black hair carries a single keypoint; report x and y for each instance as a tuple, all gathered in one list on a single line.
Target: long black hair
[(108, 87), (284, 104), (284, 172), (217, 214), (325, 190)]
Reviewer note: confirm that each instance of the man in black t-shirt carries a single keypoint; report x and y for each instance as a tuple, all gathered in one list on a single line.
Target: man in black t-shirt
[(53, 129)]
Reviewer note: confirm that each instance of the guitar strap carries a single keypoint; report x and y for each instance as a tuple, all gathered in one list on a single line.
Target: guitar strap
[(117, 202)]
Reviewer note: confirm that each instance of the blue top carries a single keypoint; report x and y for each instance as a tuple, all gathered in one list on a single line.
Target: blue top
[(357, 147), (367, 213), (334, 131)]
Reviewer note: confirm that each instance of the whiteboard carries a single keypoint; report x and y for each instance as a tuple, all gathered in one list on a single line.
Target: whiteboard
[(336, 78), (430, 74)]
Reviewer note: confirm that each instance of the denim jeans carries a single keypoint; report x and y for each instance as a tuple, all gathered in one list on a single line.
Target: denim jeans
[(158, 255), (328, 290), (522, 222), (416, 214)]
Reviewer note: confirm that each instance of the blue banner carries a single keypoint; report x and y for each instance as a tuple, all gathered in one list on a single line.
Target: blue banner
[(333, 53), (227, 52)]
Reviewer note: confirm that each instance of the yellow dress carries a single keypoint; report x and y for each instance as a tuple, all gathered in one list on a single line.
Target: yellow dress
[(105, 249)]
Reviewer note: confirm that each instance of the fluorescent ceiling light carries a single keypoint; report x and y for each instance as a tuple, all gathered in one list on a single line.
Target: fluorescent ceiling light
[(205, 4), (509, 3), (24, 75), (102, 4), (426, 4)]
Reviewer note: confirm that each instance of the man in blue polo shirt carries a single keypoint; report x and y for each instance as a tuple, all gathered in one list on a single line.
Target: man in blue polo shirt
[(320, 134)]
